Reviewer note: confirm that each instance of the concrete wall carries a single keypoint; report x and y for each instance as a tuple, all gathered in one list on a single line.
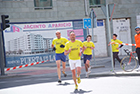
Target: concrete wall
[(101, 44), (24, 11)]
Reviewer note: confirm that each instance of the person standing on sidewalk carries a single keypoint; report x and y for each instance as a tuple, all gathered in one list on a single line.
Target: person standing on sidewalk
[(115, 48), (58, 45), (87, 53), (73, 49), (137, 41)]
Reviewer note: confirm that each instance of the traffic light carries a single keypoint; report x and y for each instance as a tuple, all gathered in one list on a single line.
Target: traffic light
[(5, 23)]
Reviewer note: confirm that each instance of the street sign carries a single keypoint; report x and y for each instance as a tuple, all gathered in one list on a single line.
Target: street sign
[(86, 23), (100, 23)]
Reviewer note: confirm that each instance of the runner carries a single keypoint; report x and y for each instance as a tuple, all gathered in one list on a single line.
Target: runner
[(115, 48), (73, 49), (137, 41), (58, 45), (88, 47)]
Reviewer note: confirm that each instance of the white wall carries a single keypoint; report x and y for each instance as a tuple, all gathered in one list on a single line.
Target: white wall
[(122, 28), (100, 45)]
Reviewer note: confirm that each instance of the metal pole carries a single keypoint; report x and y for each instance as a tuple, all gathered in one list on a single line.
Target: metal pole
[(2, 59), (92, 35), (86, 12), (87, 29), (109, 34)]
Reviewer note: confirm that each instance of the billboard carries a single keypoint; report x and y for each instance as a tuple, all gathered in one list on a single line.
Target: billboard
[(31, 42)]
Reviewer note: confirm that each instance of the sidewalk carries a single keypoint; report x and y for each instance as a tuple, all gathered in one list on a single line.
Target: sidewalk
[(101, 67)]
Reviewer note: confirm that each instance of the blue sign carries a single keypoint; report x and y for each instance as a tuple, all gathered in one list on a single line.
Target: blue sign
[(77, 24), (12, 61), (86, 23), (100, 23)]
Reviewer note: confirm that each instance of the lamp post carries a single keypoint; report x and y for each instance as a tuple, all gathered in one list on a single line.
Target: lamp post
[(109, 34)]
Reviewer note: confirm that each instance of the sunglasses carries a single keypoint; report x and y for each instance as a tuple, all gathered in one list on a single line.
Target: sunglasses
[(137, 29)]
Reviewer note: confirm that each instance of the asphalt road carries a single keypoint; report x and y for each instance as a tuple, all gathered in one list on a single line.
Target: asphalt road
[(93, 85), (42, 79)]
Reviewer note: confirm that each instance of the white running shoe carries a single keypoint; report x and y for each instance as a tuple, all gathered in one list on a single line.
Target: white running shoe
[(89, 72), (87, 75)]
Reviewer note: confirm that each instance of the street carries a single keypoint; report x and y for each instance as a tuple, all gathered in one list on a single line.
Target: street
[(95, 85), (42, 79)]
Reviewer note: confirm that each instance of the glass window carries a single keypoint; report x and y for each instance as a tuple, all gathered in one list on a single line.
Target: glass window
[(97, 2), (42, 4)]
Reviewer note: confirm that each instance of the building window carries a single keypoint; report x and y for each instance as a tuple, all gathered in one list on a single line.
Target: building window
[(12, 0), (42, 4), (96, 3)]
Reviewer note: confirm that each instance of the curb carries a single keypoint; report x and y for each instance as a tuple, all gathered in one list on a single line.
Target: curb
[(11, 76), (113, 74), (97, 66)]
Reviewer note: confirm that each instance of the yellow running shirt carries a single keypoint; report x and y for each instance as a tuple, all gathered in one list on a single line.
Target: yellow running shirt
[(115, 46), (88, 50), (75, 49), (57, 42)]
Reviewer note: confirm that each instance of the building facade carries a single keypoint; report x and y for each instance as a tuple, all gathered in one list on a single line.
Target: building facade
[(29, 43), (58, 10)]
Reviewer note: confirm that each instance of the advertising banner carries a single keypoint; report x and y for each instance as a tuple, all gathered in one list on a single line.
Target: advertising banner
[(29, 43), (78, 32)]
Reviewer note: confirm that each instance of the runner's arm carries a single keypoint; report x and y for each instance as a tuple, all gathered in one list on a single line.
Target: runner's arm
[(67, 51), (83, 49), (52, 45), (121, 46)]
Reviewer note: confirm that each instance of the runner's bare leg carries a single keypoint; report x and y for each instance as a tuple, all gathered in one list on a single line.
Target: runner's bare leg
[(58, 68)]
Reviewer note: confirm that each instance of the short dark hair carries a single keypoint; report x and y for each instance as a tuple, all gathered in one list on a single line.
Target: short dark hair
[(72, 32), (88, 36), (115, 35)]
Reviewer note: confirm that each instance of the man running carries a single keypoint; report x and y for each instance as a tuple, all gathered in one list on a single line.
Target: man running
[(137, 41), (115, 48), (58, 45), (88, 47), (73, 49)]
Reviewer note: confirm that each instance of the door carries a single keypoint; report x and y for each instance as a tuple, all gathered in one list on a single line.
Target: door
[(123, 36)]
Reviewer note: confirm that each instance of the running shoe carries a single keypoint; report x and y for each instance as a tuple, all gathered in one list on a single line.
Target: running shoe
[(124, 65), (59, 81), (112, 70), (87, 75), (65, 75), (76, 87), (78, 80), (89, 72)]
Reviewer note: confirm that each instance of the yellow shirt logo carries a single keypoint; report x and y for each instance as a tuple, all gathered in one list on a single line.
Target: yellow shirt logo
[(75, 49), (88, 50), (57, 42), (115, 46)]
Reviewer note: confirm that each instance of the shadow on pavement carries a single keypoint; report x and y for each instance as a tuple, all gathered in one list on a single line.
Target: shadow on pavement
[(80, 91), (64, 84)]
